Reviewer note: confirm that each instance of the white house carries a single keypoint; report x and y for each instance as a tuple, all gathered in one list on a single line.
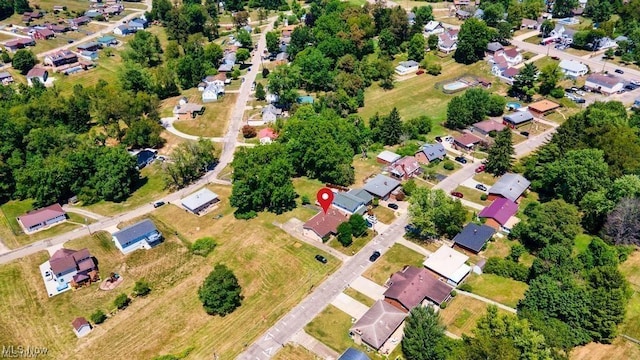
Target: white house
[(433, 28), (407, 67), (122, 30), (270, 113), (512, 56), (37, 73), (213, 91), (446, 43), (449, 264), (605, 84), (572, 68)]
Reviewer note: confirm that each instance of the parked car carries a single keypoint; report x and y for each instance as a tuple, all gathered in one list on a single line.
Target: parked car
[(157, 204), (374, 256), (635, 82), (321, 258), (555, 58), (481, 187), (619, 71), (524, 133), (438, 139), (419, 72), (461, 159), (480, 168), (579, 100), (393, 206), (581, 93), (457, 194), (448, 139)]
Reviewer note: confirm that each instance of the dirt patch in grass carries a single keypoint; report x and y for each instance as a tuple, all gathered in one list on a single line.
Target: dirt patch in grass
[(294, 352), (620, 349), (393, 260), (497, 288), (331, 327), (462, 313), (214, 121)]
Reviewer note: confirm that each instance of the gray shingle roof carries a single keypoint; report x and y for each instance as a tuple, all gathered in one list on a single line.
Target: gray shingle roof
[(474, 236), (433, 151), (135, 231), (198, 199), (519, 117), (381, 185), (510, 186), (348, 202), (353, 354), (362, 194)]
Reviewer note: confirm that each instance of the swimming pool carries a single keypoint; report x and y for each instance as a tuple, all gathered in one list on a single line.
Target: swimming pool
[(514, 105), (455, 86)]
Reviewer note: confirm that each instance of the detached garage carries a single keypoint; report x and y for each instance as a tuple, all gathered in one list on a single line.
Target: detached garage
[(200, 201)]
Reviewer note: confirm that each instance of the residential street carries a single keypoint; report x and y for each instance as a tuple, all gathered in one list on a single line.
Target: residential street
[(282, 332)]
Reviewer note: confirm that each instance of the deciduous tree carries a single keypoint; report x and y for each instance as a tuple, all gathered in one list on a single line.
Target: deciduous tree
[(435, 214), (424, 337), (220, 293), (500, 157), (23, 61)]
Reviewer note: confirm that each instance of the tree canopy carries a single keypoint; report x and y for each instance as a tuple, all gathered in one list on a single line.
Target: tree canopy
[(220, 293), (433, 213)]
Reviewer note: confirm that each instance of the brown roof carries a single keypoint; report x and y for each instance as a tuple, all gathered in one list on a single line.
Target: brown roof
[(324, 224), (378, 323), (412, 285), (79, 322), (467, 139), (511, 52), (489, 125), (543, 106), (45, 32), (41, 215), (65, 259), (511, 72), (37, 72)]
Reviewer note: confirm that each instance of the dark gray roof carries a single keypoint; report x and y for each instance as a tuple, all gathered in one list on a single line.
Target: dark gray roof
[(494, 46), (362, 194), (348, 202), (135, 231), (519, 117), (474, 236), (408, 64), (381, 185), (353, 354), (510, 186), (433, 151)]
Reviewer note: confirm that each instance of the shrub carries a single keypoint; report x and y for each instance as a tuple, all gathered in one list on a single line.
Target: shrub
[(345, 234), (121, 301), (493, 133), (465, 287), (203, 246), (375, 202), (141, 288), (443, 306), (454, 293), (305, 200), (434, 69), (448, 165), (245, 216), (249, 132), (506, 268), (98, 317), (557, 93), (516, 251), (220, 292), (265, 73), (484, 197)]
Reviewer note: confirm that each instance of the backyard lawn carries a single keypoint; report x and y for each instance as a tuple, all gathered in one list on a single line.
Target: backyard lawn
[(214, 121), (331, 327), (501, 247), (107, 69), (365, 168), (262, 256), (472, 195), (384, 214), (462, 313), (393, 260), (497, 288)]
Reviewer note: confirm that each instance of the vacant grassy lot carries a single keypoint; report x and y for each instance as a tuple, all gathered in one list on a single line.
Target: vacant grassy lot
[(384, 214), (365, 168), (331, 328), (497, 288), (393, 260), (485, 178), (214, 121), (307, 187), (171, 318), (462, 313), (72, 5), (620, 349), (295, 352), (359, 296), (107, 69)]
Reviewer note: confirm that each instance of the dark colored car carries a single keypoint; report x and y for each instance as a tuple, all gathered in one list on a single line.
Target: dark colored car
[(555, 58), (438, 139), (480, 168), (619, 71), (461, 159), (374, 256), (419, 72), (393, 206), (157, 204), (457, 194), (481, 187), (321, 258), (524, 133)]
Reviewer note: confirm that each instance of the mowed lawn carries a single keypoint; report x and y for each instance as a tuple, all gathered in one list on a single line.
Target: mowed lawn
[(497, 288), (462, 314), (393, 260), (331, 327), (214, 121), (274, 270), (294, 352)]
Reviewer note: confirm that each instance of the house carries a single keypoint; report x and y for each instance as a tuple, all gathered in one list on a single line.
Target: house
[(122, 30), (6, 78), (431, 152), (473, 237), (449, 264), (494, 48), (107, 40), (461, 3), (92, 13), (227, 62), (58, 28), (605, 84), (89, 55), (144, 158), (517, 119), (361, 194), (73, 268), (59, 58), (353, 354), (113, 10), (79, 21), (267, 136), (542, 107), (323, 225), (512, 56), (377, 325), (58, 8), (466, 141), (81, 326), (509, 74), (212, 92), (200, 201), (433, 28), (404, 168), (486, 126), (562, 33), (499, 212), (407, 67), (348, 204), (141, 235), (188, 111), (446, 43), (529, 24), (381, 186), (387, 157), (463, 15), (43, 34), (510, 186), (408, 288), (43, 217), (28, 16), (19, 43), (90, 46), (270, 113), (573, 69), (138, 24), (281, 58)]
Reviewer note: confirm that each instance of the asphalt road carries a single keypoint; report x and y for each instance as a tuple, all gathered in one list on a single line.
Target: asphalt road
[(283, 330)]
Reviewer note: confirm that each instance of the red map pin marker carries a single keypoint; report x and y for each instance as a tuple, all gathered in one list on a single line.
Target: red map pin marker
[(325, 198)]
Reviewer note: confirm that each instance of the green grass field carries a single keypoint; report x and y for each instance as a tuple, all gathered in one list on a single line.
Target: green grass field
[(393, 260), (462, 314), (472, 195), (384, 214), (500, 289), (331, 328), (294, 352), (214, 121), (356, 246)]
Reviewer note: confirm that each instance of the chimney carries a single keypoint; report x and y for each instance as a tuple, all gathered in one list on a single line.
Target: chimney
[(475, 231), (385, 183)]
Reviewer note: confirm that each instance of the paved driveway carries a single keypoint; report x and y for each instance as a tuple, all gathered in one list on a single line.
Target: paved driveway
[(368, 288), (349, 305), (471, 183)]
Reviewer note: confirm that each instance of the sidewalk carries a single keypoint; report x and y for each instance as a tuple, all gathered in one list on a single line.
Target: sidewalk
[(313, 345)]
